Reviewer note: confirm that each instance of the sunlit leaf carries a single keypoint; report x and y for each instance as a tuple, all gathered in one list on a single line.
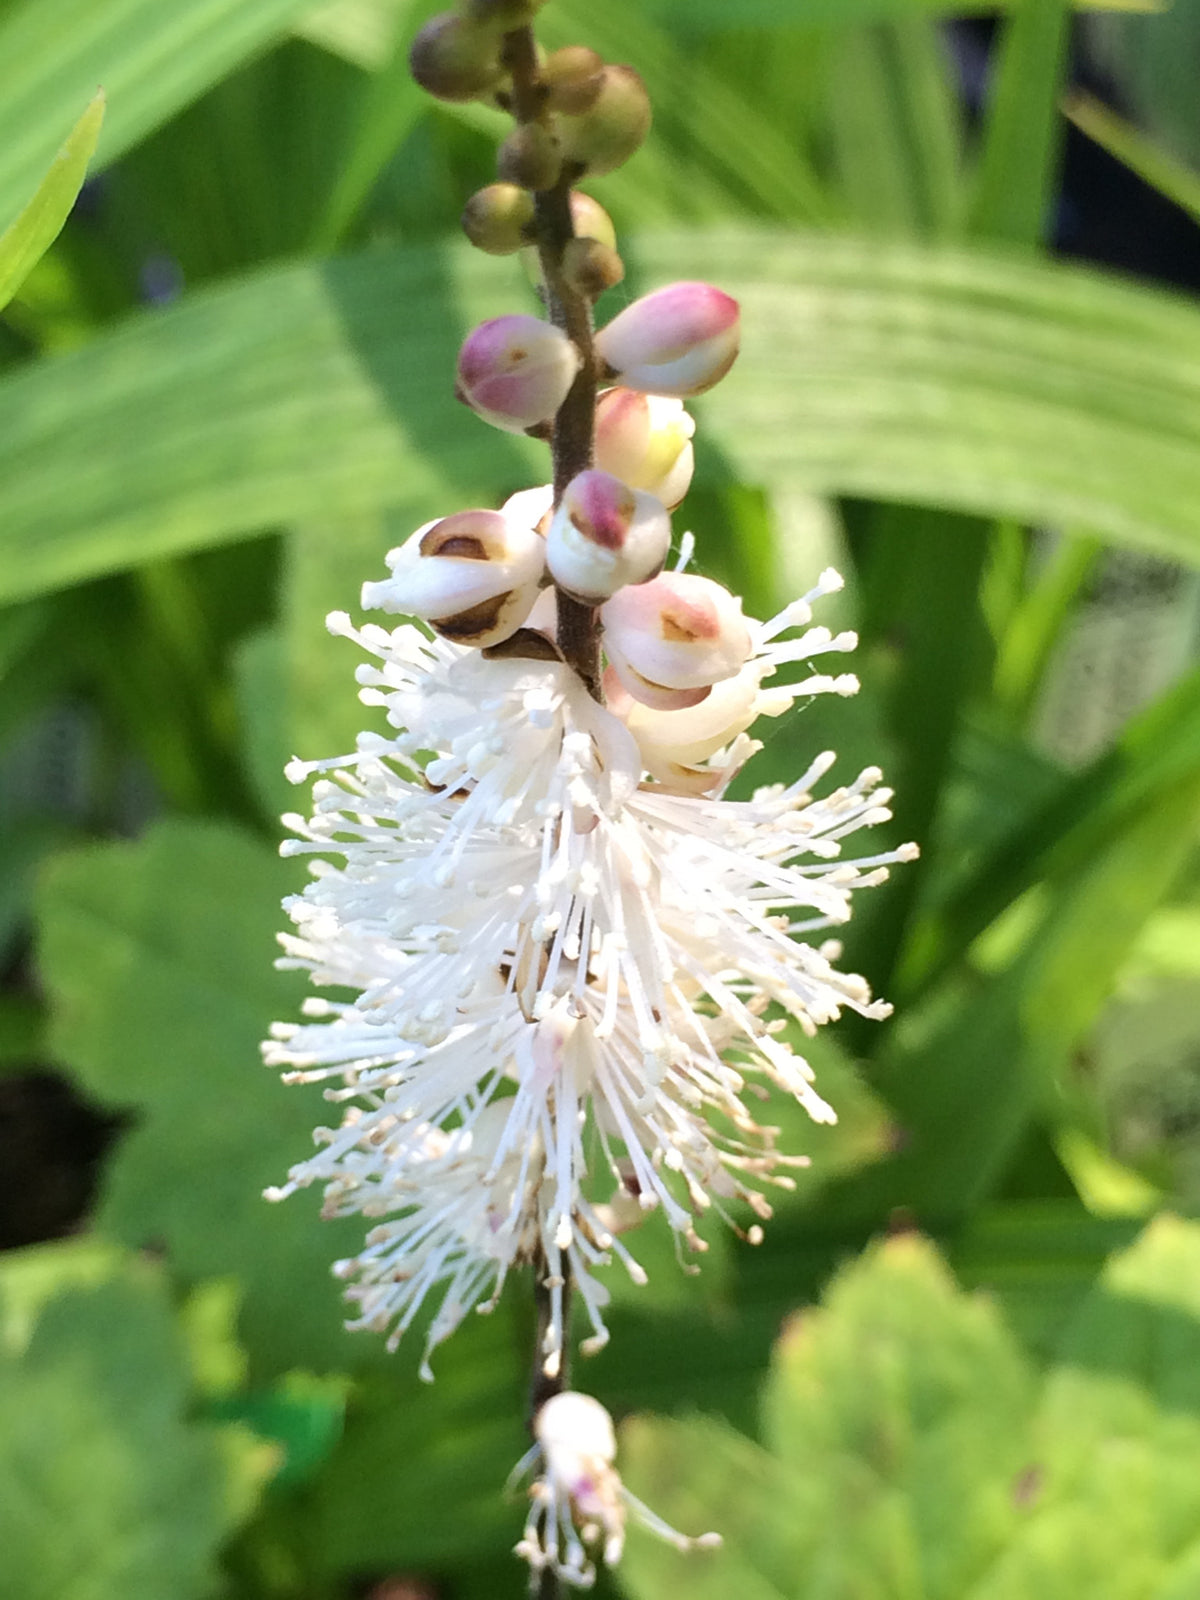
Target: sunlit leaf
[(27, 239)]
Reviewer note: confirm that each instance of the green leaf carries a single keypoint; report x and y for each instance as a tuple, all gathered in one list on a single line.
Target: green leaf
[(158, 959), (1044, 392), (1022, 133), (150, 56), (894, 1422), (910, 1451), (27, 239), (105, 1487), (1154, 165)]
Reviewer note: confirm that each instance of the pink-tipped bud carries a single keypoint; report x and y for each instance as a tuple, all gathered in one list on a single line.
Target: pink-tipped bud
[(677, 341), (679, 632), (646, 441), (472, 576), (515, 371), (605, 535)]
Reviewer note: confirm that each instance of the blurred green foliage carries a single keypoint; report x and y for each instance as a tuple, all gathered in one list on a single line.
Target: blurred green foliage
[(224, 393)]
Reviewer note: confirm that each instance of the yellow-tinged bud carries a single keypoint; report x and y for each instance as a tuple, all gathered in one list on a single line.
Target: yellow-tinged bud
[(574, 77), (530, 157), (495, 218), (646, 441), (455, 58), (591, 267), (607, 134)]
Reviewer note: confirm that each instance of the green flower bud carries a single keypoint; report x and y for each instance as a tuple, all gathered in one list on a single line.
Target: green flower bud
[(530, 157), (590, 220), (574, 77), (454, 58), (495, 219), (591, 267), (603, 138)]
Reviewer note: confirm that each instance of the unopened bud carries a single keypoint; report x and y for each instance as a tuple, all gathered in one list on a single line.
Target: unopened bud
[(646, 441), (677, 341), (607, 134), (679, 632), (574, 77), (605, 535), (515, 371), (473, 576), (495, 218), (590, 220), (591, 267), (530, 157), (455, 58)]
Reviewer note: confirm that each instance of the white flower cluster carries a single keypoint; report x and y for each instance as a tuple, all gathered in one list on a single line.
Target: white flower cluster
[(566, 953)]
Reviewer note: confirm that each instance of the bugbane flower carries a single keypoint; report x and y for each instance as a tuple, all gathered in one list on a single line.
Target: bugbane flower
[(568, 956), (578, 1503)]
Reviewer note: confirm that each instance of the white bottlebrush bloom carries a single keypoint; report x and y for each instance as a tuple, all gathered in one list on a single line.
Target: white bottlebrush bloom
[(578, 1503), (562, 972)]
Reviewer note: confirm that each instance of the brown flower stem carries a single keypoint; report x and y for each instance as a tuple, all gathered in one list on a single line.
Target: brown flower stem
[(575, 423)]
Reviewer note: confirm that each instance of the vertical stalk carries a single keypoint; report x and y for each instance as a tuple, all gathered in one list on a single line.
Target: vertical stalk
[(575, 424), (578, 637)]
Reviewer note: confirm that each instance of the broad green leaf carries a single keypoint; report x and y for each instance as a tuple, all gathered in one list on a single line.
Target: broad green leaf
[(904, 1399), (150, 56), (1043, 392), (158, 958), (106, 1487), (895, 1422), (27, 239), (910, 1451)]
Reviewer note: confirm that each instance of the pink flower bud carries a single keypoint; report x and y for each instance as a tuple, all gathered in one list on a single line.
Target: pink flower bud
[(473, 576), (605, 535), (646, 441), (515, 371), (677, 341), (679, 632)]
